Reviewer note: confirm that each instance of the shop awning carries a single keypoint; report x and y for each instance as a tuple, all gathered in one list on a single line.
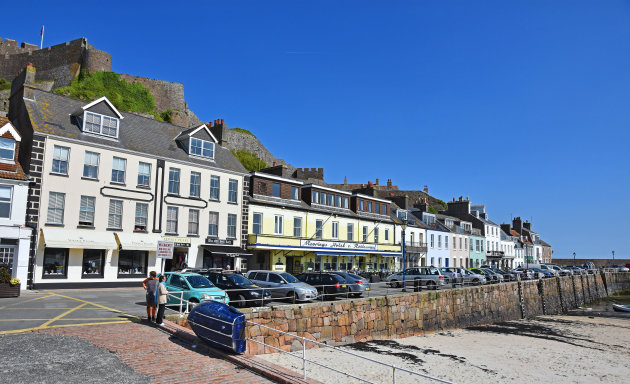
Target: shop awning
[(82, 239), (227, 250), (137, 242)]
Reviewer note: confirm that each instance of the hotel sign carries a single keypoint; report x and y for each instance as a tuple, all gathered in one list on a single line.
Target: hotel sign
[(338, 245)]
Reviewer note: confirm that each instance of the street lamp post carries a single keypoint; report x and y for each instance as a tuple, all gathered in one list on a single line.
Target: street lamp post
[(573, 259), (613, 252), (404, 226)]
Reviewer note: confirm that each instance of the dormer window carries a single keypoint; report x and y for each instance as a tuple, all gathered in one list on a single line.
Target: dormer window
[(100, 124), (201, 148), (7, 150)]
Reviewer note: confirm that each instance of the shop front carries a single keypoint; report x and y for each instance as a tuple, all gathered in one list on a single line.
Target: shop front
[(222, 254), (295, 255)]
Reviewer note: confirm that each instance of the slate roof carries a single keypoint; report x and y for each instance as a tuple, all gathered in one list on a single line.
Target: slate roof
[(51, 114)]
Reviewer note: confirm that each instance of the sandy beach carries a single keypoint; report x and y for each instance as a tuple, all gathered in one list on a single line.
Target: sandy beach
[(552, 349)]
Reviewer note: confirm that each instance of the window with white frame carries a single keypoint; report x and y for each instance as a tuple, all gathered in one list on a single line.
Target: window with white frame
[(331, 200), (361, 205), (383, 209), (7, 149), (193, 222), (90, 165), (61, 157), (315, 197), (369, 206), (376, 235), (295, 194), (345, 202), (100, 124), (387, 235), (195, 184), (214, 187), (142, 217), (6, 195), (114, 220), (213, 225), (86, 211), (231, 226), (432, 241), (277, 225), (257, 223), (144, 174), (173, 181), (319, 224), (439, 241), (232, 191), (335, 230), (322, 198), (56, 203), (201, 148), (172, 214), (297, 227), (119, 167), (377, 207), (365, 234), (350, 232)]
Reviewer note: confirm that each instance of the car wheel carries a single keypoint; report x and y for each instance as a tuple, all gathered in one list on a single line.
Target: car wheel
[(476, 282), (192, 303), (358, 294), (240, 302), (395, 284), (431, 285)]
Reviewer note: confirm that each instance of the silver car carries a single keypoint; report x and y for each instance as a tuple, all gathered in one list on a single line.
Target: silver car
[(467, 277), (283, 285), (429, 277), (357, 284)]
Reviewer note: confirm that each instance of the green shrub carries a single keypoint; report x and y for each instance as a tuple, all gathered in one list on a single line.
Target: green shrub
[(433, 210), (4, 84), (125, 96), (249, 160), (5, 276), (241, 130)]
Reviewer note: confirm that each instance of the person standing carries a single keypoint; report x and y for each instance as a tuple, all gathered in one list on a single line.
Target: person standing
[(162, 294), (150, 284)]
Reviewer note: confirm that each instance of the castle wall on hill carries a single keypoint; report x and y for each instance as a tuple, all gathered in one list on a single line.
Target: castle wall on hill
[(60, 63), (167, 95), (238, 140)]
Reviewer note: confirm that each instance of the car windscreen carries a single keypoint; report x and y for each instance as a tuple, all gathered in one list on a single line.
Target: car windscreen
[(289, 278), (199, 282), (433, 271), (239, 280)]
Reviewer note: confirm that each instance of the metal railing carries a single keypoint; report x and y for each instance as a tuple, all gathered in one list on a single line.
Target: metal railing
[(305, 360)]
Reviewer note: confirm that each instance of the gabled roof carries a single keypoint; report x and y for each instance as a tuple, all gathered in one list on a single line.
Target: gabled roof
[(103, 99), (192, 131), (50, 114), (6, 126)]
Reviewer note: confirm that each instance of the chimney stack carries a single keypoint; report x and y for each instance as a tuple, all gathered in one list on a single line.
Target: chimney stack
[(527, 225), (506, 228), (426, 189), (345, 180), (376, 182), (517, 224), (389, 183)]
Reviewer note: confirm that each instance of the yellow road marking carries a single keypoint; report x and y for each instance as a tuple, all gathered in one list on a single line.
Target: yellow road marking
[(26, 301), (95, 304), (63, 314), (63, 326), (46, 309), (72, 319)]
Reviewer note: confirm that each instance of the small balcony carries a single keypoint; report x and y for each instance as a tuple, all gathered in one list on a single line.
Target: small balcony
[(414, 246)]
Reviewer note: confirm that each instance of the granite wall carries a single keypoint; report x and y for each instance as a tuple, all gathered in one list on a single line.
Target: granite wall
[(409, 314)]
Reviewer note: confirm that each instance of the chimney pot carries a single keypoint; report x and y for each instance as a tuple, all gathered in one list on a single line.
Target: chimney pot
[(274, 163)]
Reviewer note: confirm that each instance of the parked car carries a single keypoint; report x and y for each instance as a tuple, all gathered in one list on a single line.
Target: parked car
[(242, 292), (543, 273), (357, 284), (328, 284), (429, 277), (499, 277), (621, 268), (489, 277), (507, 276), (283, 285), (560, 271), (547, 268), (192, 288), (453, 275), (468, 277), (524, 273)]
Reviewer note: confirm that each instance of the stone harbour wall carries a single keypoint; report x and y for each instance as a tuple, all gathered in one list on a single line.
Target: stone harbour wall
[(409, 314)]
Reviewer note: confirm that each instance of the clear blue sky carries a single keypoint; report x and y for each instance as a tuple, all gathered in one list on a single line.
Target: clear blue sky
[(523, 106)]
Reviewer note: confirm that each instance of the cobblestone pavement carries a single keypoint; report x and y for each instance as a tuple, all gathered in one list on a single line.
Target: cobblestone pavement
[(153, 352)]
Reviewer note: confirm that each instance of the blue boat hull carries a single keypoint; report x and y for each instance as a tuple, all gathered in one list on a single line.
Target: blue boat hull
[(219, 325)]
